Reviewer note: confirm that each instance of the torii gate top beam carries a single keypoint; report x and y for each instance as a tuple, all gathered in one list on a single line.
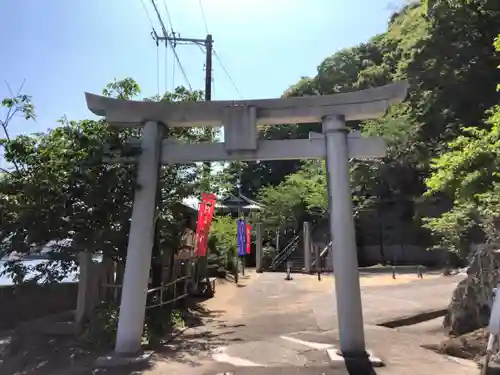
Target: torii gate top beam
[(359, 105)]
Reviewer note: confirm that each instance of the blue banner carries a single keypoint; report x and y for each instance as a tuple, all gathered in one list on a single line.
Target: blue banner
[(241, 237)]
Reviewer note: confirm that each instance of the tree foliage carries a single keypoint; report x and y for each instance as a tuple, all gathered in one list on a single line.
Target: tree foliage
[(469, 173), (223, 240), (61, 189), (444, 49)]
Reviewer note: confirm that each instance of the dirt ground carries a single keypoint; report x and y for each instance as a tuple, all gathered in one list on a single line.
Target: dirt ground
[(310, 282), (226, 291)]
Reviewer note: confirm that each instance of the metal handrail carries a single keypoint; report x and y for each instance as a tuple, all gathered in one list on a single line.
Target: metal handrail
[(164, 287), (169, 301), (168, 284), (160, 288), (283, 255), (322, 253), (290, 248), (290, 245), (285, 250)]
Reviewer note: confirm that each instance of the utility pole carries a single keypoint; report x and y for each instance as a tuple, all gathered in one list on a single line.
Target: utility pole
[(201, 269), (208, 67), (207, 43), (176, 39)]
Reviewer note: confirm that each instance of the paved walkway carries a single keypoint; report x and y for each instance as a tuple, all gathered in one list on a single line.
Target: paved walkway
[(271, 326)]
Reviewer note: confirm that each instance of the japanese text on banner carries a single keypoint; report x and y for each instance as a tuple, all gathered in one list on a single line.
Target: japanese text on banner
[(205, 216), (248, 237), (241, 237)]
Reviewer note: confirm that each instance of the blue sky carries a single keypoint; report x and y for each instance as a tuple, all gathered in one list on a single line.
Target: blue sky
[(64, 48)]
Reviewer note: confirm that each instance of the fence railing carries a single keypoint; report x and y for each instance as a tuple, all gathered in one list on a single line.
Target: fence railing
[(157, 292), (164, 287), (322, 254)]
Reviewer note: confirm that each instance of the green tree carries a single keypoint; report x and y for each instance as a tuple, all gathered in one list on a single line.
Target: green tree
[(444, 50), (468, 172), (223, 231), (62, 189)]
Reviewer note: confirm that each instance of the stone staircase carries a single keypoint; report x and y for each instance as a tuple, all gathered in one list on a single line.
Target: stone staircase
[(294, 252)]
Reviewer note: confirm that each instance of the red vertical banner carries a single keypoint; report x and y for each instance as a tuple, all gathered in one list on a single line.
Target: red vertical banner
[(205, 216), (249, 237)]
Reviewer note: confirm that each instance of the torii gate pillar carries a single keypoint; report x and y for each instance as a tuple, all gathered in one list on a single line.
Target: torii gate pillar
[(345, 258), (140, 243)]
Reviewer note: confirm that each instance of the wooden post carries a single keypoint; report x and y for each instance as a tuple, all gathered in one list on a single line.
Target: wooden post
[(88, 288), (317, 257)]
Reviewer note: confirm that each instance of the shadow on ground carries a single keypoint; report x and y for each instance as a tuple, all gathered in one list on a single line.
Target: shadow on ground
[(208, 330), (36, 353), (30, 351), (359, 367)]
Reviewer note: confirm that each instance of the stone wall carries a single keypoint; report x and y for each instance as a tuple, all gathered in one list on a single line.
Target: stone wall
[(391, 234), (401, 255), (26, 302)]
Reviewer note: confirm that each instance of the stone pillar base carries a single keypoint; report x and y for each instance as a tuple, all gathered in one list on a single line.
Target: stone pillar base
[(369, 359)]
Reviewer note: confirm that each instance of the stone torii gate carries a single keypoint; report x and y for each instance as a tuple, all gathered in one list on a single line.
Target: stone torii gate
[(240, 120)]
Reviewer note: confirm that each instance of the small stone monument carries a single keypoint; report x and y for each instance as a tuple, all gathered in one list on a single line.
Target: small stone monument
[(288, 276)]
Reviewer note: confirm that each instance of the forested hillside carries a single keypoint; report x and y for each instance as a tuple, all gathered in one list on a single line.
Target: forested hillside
[(445, 50)]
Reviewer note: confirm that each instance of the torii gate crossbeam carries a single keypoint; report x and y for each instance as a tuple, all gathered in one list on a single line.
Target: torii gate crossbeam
[(240, 119)]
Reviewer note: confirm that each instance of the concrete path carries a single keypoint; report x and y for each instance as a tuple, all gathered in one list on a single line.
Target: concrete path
[(271, 326), (387, 302)]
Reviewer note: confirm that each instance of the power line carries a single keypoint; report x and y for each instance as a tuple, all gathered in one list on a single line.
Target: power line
[(166, 69), (207, 42), (173, 77), (200, 3), (147, 14), (159, 18), (169, 19), (158, 71), (157, 52), (203, 16), (180, 66), (165, 35), (227, 73)]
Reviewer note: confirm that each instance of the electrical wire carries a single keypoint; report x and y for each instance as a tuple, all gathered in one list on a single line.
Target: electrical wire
[(173, 77), (169, 22), (158, 71), (227, 73), (147, 13), (213, 87), (169, 19), (203, 16), (166, 70), (157, 50), (181, 67), (165, 34)]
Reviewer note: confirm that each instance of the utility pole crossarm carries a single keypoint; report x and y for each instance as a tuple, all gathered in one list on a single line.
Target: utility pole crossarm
[(179, 39)]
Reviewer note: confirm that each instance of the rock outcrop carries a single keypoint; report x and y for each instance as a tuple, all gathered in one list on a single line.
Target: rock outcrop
[(470, 306)]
